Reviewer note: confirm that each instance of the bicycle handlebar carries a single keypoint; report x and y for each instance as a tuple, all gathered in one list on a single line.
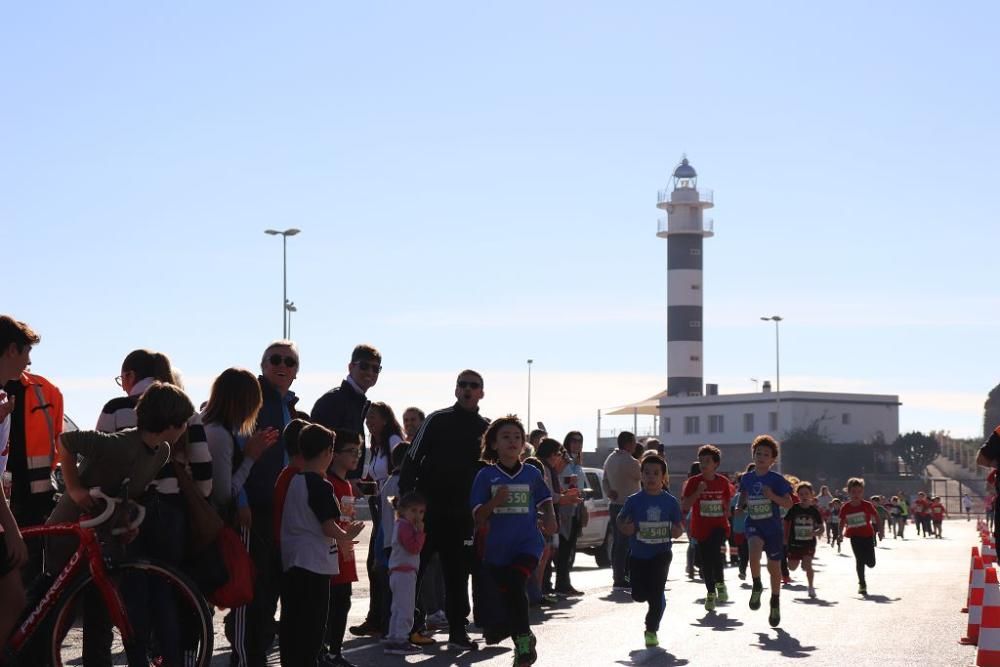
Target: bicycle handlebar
[(109, 508)]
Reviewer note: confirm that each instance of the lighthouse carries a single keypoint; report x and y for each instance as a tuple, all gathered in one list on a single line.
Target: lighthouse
[(684, 228)]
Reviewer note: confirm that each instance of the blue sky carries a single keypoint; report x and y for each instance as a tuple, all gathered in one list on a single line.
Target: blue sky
[(476, 186)]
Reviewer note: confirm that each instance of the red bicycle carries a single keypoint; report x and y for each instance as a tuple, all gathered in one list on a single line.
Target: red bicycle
[(60, 608)]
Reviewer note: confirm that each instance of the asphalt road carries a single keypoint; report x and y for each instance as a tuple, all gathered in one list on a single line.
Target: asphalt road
[(910, 617)]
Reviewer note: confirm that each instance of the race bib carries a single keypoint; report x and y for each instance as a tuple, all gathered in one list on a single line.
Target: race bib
[(518, 502), (760, 508), (856, 520), (803, 532), (654, 532), (710, 508)]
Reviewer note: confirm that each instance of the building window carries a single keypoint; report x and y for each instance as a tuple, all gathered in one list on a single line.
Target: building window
[(666, 425), (695, 251), (772, 421), (696, 287), (692, 425), (715, 424), (845, 419), (748, 422), (695, 357)]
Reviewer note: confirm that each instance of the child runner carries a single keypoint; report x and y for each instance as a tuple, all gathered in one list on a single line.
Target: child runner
[(404, 561), (707, 496), (507, 495), (652, 519), (803, 523), (922, 515), (937, 512), (765, 492), (882, 512), (904, 514), (833, 525), (308, 554), (858, 519)]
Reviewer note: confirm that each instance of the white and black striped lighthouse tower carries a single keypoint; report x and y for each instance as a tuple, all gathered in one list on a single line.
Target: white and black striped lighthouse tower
[(684, 228)]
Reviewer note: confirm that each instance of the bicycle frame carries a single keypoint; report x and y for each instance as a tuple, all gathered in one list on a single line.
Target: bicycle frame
[(88, 551)]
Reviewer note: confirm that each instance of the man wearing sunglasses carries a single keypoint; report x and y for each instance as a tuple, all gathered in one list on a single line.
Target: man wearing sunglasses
[(279, 367), (346, 406), (441, 464)]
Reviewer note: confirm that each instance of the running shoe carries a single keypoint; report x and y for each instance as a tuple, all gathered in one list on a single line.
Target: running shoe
[(651, 640), (743, 575), (862, 589), (755, 597), (401, 648), (812, 593), (710, 602), (524, 650), (722, 592), (462, 642), (775, 616)]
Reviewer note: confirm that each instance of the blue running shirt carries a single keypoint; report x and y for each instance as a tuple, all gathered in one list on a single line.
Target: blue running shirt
[(513, 527), (761, 512), (654, 518)]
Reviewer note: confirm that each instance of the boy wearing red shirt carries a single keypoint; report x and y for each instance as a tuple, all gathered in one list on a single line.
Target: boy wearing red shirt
[(858, 519), (922, 514), (708, 496), (937, 512)]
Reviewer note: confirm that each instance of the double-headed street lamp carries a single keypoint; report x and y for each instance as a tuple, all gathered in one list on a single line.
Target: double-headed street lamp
[(284, 273), (528, 421), (290, 307)]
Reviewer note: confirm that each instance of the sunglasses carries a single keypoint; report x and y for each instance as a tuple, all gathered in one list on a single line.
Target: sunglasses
[(369, 366), (276, 360), (465, 384)]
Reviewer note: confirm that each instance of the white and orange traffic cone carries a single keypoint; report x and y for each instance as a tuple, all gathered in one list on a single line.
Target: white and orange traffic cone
[(972, 568), (975, 602), (988, 654), (989, 553)]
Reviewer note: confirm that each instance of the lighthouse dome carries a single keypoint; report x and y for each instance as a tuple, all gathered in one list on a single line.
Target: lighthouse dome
[(685, 170)]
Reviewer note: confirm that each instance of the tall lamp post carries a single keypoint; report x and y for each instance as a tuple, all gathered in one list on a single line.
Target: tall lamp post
[(777, 370), (284, 273), (290, 307), (528, 425)]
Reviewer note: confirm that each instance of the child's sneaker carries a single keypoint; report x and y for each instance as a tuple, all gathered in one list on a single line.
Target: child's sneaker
[(401, 648), (775, 616), (722, 592), (710, 602), (862, 589), (812, 593), (651, 640), (743, 575), (755, 596), (524, 650)]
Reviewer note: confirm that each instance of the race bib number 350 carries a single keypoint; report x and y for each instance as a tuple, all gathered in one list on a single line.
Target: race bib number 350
[(654, 532), (518, 502)]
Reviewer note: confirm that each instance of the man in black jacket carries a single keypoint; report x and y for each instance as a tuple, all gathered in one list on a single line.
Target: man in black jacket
[(442, 464), (346, 406)]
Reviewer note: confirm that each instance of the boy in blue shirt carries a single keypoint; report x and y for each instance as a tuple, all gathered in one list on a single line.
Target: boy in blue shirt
[(651, 518), (763, 492)]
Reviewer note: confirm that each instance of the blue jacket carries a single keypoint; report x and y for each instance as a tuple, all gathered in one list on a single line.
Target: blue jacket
[(275, 412)]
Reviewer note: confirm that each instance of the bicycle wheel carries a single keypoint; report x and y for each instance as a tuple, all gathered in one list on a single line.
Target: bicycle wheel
[(178, 631)]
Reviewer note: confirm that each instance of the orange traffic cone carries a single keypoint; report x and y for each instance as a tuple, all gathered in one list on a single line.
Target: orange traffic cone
[(972, 568), (989, 553), (975, 602), (988, 654)]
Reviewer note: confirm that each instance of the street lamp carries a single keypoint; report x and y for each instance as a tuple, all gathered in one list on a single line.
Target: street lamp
[(777, 368), (756, 384), (290, 307), (284, 272), (530, 361)]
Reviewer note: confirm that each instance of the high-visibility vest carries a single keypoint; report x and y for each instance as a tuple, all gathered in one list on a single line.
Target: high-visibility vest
[(43, 424)]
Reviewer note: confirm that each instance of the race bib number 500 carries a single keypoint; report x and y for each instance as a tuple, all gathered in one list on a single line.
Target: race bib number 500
[(518, 502), (760, 508)]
